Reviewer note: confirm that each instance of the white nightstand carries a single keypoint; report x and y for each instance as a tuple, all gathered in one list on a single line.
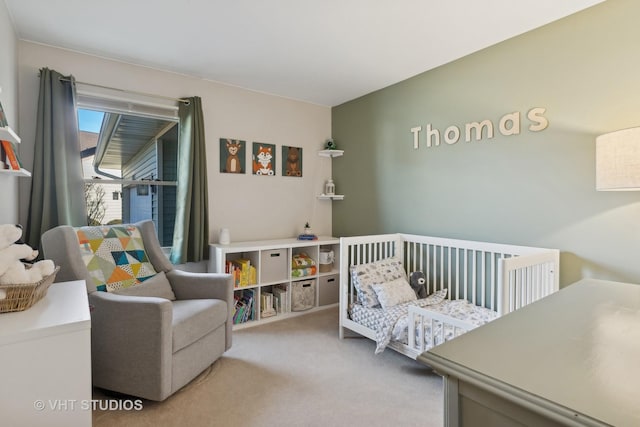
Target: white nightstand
[(45, 360)]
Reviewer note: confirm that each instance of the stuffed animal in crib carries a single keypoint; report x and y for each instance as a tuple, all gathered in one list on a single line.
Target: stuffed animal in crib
[(12, 270), (417, 281)]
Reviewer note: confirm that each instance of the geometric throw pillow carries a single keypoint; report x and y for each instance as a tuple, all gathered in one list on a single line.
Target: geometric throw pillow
[(394, 292), (114, 256), (156, 286), (363, 276)]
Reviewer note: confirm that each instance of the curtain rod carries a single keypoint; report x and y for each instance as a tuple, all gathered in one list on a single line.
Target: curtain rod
[(185, 101)]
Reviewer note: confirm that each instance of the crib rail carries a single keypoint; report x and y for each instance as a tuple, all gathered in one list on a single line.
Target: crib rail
[(422, 320), (363, 250), (355, 251), (475, 271), (526, 279)]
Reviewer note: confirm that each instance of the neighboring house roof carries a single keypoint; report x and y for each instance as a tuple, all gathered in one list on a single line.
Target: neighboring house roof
[(123, 136)]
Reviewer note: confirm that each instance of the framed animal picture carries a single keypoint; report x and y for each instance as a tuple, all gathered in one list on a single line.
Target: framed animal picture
[(264, 159), (232, 155), (291, 161)]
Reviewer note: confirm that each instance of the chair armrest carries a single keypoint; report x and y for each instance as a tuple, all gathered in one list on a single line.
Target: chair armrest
[(188, 285), (131, 344)]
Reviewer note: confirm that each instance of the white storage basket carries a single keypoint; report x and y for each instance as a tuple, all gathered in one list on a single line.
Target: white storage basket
[(303, 295)]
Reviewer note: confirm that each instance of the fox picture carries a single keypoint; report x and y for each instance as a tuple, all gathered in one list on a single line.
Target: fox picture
[(263, 159)]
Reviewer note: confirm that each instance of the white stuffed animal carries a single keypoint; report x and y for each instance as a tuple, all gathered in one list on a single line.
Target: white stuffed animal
[(12, 270)]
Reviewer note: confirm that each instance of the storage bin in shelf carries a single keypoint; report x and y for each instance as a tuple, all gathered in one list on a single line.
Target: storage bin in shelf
[(273, 265), (328, 290), (303, 295)]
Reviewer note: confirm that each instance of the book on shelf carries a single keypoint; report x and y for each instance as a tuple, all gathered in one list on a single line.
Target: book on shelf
[(10, 155), (307, 237), (244, 307), (244, 274), (266, 305), (277, 304), (282, 300)]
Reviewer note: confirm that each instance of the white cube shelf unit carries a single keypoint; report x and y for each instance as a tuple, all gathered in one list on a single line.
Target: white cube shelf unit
[(276, 280)]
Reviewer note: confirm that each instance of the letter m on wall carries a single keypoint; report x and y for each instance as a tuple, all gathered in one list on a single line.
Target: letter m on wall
[(478, 127)]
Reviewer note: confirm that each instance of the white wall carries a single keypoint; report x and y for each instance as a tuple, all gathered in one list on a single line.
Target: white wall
[(251, 207), (9, 99)]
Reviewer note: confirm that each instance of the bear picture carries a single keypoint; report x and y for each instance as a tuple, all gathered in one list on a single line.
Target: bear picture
[(292, 161)]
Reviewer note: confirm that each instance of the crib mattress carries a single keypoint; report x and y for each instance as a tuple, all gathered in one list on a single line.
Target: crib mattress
[(392, 323)]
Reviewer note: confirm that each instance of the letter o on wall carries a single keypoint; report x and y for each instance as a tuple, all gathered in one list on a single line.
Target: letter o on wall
[(452, 135)]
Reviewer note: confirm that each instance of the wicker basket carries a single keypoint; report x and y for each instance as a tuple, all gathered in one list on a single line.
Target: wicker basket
[(22, 296)]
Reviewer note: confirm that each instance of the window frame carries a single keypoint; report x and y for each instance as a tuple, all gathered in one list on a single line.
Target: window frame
[(135, 105)]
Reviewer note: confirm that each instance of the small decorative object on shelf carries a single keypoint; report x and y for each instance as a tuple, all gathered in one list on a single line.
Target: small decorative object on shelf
[(224, 238), (308, 234), (330, 144), (330, 188)]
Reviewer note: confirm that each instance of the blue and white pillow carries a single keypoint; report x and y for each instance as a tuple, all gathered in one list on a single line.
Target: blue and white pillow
[(394, 292), (363, 276)]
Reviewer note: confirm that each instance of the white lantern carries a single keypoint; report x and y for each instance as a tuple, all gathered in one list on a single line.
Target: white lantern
[(329, 187)]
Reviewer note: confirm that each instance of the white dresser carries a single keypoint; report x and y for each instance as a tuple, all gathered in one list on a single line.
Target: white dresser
[(571, 358), (45, 360)]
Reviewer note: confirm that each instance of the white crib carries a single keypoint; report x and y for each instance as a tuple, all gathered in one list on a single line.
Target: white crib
[(499, 277)]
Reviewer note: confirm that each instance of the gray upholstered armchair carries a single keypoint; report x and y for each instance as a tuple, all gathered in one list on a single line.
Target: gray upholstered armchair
[(147, 346)]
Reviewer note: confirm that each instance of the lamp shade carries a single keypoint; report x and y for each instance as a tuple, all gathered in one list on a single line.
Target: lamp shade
[(618, 161)]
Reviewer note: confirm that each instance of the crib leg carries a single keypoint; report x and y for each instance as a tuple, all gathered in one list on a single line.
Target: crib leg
[(347, 333)]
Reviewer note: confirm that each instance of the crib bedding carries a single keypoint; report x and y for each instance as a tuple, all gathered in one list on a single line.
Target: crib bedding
[(392, 323)]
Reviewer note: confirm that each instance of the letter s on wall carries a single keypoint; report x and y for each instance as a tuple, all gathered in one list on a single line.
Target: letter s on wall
[(536, 116)]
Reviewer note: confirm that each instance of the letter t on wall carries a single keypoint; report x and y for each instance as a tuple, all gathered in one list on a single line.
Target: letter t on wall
[(416, 133)]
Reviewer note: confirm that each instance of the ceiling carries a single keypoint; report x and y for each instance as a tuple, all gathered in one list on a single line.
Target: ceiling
[(322, 51)]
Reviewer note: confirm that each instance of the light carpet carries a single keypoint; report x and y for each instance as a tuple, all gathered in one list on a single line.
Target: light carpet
[(296, 372)]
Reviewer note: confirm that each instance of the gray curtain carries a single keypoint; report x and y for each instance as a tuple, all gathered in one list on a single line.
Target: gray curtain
[(191, 233), (57, 189)]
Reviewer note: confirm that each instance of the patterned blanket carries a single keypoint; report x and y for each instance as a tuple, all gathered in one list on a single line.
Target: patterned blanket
[(392, 323)]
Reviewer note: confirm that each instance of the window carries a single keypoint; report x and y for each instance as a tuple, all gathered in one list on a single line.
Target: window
[(129, 158)]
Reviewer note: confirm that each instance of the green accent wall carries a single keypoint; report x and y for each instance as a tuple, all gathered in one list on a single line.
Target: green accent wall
[(535, 188)]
